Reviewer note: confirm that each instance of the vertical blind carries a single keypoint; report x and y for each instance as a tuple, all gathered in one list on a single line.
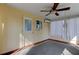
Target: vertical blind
[(67, 29)]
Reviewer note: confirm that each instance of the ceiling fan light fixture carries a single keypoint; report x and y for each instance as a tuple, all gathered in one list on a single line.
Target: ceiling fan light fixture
[(56, 14)]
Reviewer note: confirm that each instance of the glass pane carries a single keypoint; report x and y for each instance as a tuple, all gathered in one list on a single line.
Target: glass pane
[(28, 25), (38, 25)]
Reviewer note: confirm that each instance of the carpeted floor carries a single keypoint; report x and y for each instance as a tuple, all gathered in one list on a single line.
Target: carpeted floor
[(53, 48)]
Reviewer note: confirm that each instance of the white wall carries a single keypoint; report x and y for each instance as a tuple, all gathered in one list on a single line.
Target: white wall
[(11, 29)]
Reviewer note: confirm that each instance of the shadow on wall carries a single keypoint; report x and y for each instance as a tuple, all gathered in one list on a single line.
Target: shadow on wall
[(24, 41), (31, 38)]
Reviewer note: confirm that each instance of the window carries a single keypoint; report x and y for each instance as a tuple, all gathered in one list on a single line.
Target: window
[(27, 24), (38, 25)]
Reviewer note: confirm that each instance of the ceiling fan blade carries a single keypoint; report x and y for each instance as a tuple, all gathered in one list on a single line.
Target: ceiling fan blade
[(56, 14), (63, 9), (55, 6), (44, 10), (47, 14)]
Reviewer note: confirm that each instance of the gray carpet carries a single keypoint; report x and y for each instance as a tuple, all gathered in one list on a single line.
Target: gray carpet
[(53, 48)]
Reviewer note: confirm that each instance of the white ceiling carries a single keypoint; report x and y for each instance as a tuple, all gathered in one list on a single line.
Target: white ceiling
[(35, 8)]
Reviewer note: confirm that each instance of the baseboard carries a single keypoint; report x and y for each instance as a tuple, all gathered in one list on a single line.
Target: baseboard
[(9, 52), (59, 41), (40, 42)]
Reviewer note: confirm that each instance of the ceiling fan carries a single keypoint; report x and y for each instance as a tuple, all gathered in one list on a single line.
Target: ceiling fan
[(54, 9)]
